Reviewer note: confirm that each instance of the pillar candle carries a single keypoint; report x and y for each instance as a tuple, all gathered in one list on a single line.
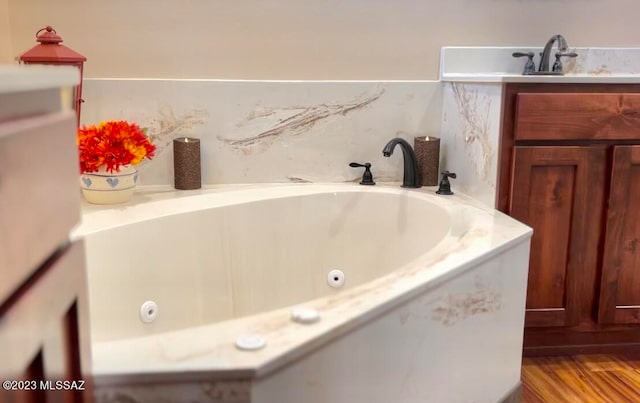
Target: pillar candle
[(186, 163), (427, 149)]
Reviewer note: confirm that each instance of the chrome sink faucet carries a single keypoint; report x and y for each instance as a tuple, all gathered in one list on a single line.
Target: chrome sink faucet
[(545, 56), (411, 178), (546, 52)]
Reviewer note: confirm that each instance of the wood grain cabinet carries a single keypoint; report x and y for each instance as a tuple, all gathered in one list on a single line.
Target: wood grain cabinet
[(619, 299), (44, 340), (556, 190), (570, 168)]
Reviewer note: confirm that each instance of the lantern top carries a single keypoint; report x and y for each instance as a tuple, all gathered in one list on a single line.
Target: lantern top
[(49, 49), (51, 36)]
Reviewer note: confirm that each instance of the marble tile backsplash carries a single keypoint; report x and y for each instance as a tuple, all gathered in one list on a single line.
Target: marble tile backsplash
[(271, 131), (598, 61), (470, 136), (178, 392)]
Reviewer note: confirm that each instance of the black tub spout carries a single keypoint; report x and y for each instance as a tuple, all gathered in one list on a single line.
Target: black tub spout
[(411, 178)]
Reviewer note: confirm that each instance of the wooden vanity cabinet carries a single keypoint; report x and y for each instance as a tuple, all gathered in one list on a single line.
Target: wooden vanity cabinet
[(44, 333), (569, 167), (620, 286), (557, 190)]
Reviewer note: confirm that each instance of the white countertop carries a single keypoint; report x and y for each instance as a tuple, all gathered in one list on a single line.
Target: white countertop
[(18, 78), (501, 77), (497, 65)]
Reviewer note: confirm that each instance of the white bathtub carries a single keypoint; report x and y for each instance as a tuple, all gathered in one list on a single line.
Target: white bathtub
[(431, 310)]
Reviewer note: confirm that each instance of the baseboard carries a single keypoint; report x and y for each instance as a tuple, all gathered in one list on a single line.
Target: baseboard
[(621, 348)]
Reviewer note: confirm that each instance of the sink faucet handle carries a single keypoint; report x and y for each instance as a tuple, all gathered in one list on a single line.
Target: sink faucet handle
[(557, 66), (367, 177), (530, 66)]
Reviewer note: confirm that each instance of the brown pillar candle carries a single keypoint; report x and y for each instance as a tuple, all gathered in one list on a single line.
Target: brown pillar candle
[(186, 163), (427, 150)]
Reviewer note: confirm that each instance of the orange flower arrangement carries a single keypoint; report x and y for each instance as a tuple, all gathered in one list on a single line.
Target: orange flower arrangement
[(112, 144)]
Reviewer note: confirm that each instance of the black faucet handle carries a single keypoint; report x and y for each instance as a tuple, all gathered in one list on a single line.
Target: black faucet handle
[(557, 66), (530, 66), (367, 177), (445, 186)]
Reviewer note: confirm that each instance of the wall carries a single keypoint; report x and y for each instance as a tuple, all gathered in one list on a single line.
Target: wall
[(5, 41), (290, 39)]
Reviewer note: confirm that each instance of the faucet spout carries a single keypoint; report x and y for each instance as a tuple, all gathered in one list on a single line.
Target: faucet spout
[(411, 177), (546, 53)]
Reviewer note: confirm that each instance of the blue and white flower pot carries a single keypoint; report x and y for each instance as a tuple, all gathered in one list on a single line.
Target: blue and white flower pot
[(104, 187)]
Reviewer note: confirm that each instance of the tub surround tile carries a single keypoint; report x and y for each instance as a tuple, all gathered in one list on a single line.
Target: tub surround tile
[(288, 122), (470, 136), (455, 307), (168, 124), (271, 131), (192, 392)]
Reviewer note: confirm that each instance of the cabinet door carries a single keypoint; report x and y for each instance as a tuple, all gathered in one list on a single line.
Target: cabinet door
[(39, 193), (44, 332), (620, 285), (559, 192)]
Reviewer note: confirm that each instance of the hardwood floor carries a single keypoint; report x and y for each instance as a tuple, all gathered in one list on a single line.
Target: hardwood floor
[(581, 379)]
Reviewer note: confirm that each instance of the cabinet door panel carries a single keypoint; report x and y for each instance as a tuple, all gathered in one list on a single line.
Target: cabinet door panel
[(39, 196), (558, 191), (42, 333), (620, 285)]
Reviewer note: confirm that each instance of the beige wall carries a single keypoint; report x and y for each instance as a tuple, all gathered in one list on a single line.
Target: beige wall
[(5, 41), (297, 39)]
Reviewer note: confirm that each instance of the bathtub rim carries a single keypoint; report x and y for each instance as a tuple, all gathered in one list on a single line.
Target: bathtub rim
[(263, 362), (148, 200)]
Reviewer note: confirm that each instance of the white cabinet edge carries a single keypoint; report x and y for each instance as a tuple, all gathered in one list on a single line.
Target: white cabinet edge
[(19, 78)]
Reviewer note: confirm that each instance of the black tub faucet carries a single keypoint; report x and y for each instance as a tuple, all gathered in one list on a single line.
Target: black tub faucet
[(411, 178)]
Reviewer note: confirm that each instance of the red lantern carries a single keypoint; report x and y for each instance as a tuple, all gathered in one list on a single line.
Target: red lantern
[(49, 51)]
